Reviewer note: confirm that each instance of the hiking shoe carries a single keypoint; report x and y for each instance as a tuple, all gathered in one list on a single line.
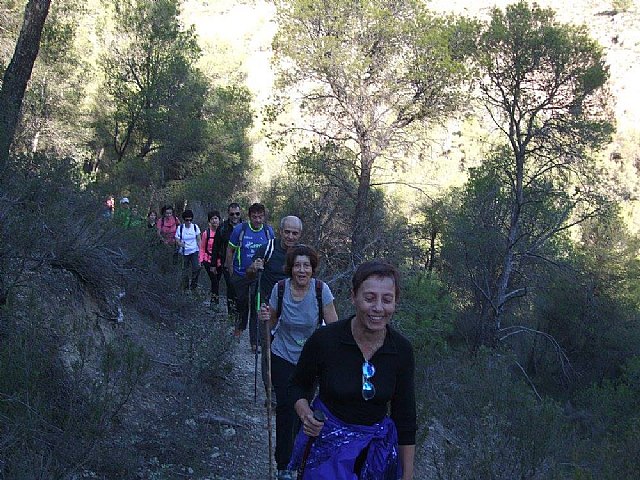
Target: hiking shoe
[(286, 475)]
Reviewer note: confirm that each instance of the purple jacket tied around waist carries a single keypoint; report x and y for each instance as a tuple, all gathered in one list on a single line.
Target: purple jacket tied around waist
[(334, 452)]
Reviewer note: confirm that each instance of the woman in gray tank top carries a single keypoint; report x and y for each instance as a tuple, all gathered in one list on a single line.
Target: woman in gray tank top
[(293, 314)]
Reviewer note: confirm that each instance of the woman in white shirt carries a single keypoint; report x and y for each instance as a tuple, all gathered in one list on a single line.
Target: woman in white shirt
[(187, 240)]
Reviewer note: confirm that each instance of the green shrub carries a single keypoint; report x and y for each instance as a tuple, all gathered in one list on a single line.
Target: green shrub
[(425, 315), (498, 428), (60, 387), (47, 219), (608, 434), (63, 378)]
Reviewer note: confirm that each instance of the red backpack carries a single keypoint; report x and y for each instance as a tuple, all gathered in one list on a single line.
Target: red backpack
[(168, 231)]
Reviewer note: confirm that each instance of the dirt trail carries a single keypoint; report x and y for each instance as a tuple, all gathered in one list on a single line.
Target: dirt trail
[(247, 452), (174, 428)]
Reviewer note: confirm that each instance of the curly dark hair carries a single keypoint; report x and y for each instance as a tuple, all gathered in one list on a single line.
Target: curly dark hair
[(300, 251), (256, 208)]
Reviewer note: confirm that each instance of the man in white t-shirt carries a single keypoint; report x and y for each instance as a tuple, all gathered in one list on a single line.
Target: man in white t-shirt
[(187, 240)]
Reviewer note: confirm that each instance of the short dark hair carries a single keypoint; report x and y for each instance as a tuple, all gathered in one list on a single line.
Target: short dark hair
[(256, 208), (187, 214), (299, 251), (164, 209), (233, 205), (375, 268), (213, 213)]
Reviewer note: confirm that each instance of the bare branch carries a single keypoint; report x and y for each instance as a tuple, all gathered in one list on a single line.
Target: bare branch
[(533, 387), (518, 329)]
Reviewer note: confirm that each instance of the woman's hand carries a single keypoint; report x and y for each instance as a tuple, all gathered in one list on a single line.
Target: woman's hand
[(310, 425), (265, 313), (407, 454)]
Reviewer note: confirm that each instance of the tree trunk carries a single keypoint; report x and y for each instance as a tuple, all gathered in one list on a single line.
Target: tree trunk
[(508, 263), (18, 73), (361, 213), (432, 250)]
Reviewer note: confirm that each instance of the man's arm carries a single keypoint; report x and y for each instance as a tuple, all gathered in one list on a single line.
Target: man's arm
[(229, 259)]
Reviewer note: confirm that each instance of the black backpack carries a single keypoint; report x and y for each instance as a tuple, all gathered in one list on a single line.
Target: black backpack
[(196, 229), (206, 244), (319, 287)]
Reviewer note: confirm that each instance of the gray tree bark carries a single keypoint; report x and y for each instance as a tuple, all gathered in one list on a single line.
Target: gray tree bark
[(18, 73)]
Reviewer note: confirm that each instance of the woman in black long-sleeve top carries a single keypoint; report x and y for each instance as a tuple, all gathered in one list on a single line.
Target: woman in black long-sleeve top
[(364, 368)]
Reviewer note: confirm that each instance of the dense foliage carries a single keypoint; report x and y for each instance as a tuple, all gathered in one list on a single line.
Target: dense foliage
[(362, 74), (520, 285)]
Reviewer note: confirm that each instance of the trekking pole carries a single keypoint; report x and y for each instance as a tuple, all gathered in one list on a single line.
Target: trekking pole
[(319, 416), (255, 365), (267, 341)]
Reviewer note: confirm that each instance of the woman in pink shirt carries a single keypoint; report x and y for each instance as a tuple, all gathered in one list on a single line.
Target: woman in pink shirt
[(167, 225), (206, 248)]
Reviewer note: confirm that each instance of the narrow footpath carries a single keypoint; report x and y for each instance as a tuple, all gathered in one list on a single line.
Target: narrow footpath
[(246, 454), (173, 427)]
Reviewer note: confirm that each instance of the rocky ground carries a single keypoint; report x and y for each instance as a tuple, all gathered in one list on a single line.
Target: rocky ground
[(175, 427)]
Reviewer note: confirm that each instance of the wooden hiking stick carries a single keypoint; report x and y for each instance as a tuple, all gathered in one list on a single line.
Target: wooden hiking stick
[(319, 416), (267, 351), (255, 364)]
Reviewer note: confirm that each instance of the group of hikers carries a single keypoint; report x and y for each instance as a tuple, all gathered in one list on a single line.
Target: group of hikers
[(344, 389)]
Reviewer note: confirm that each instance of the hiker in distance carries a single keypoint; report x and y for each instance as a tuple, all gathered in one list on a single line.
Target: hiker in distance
[(219, 253), (210, 264), (123, 214), (365, 368), (244, 242), (297, 306), (187, 239), (152, 218), (167, 226), (270, 259)]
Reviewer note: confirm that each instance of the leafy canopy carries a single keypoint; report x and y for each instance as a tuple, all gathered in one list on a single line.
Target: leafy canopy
[(543, 82), (364, 71)]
